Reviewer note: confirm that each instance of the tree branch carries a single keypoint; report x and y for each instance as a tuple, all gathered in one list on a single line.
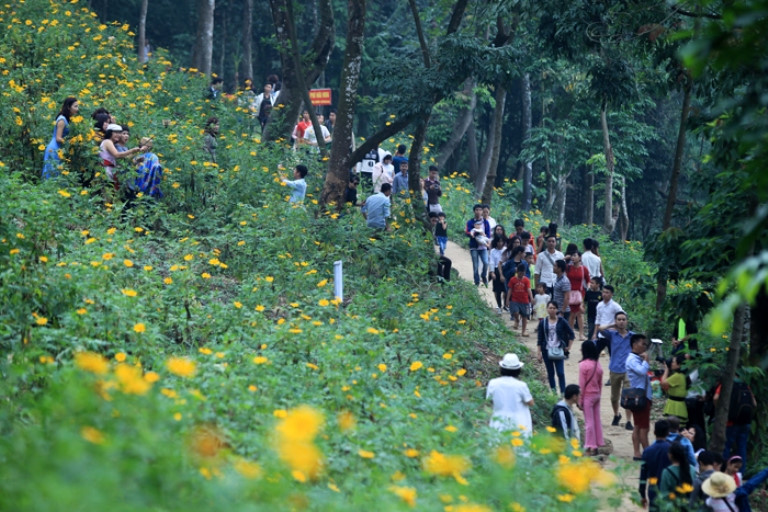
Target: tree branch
[(420, 32)]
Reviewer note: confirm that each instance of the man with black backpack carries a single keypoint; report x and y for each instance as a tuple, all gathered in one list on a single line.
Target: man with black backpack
[(740, 411)]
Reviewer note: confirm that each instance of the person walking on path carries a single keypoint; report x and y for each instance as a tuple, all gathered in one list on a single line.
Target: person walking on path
[(512, 400), (545, 263), (578, 276), (478, 251), (555, 337), (655, 459), (520, 298), (591, 384), (637, 371), (617, 337)]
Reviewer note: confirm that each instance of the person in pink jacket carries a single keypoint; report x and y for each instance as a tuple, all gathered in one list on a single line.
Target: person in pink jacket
[(590, 382)]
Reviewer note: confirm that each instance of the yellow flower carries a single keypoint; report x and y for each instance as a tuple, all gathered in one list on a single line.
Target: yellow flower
[(439, 464), (505, 457), (130, 379), (300, 424), (346, 421), (685, 488), (259, 308), (248, 469), (579, 475), (181, 366), (566, 498), (41, 320), (366, 454), (269, 279), (128, 292), (382, 367), (469, 507), (416, 365), (128, 263), (447, 356), (92, 362), (407, 494), (322, 283), (205, 275), (260, 360), (120, 357), (371, 330), (151, 377), (238, 305), (92, 435), (411, 453), (139, 328)]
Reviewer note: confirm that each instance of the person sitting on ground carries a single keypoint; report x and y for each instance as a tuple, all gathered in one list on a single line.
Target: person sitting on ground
[(209, 139), (299, 185), (350, 197), (376, 209), (563, 420), (512, 400)]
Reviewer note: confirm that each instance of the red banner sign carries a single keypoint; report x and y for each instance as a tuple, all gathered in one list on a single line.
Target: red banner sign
[(320, 96)]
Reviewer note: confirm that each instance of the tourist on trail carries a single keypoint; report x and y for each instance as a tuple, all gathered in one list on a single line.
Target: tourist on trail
[(563, 420), (618, 339), (512, 400), (399, 157), (706, 461), (592, 261), (525, 240), (682, 437), (561, 289), (508, 266), (721, 488), (678, 475), (655, 459), (541, 240), (301, 125), (540, 301), (520, 299), (591, 384), (298, 184), (331, 122), (498, 244), (209, 139), (376, 209), (733, 468), (478, 251), (400, 181), (109, 154), (383, 172), (674, 383), (740, 414), (592, 298), (441, 232), (555, 338), (51, 161), (545, 263), (637, 371), (433, 190), (487, 216), (149, 172), (605, 311)]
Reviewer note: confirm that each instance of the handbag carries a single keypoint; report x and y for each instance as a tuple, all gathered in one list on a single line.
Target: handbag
[(555, 353), (634, 399), (574, 298)]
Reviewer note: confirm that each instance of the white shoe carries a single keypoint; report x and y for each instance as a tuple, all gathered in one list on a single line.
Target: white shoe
[(498, 310)]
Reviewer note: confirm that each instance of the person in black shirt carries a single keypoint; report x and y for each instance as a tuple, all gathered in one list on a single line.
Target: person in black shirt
[(350, 197), (592, 298)]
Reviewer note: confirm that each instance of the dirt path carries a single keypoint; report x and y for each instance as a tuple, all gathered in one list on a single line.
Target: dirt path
[(619, 436)]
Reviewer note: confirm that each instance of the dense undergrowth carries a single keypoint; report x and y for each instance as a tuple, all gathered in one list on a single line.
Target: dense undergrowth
[(189, 353)]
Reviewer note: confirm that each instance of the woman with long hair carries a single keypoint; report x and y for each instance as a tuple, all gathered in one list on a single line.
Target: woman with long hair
[(578, 275), (678, 476), (591, 385), (108, 153), (69, 108), (675, 383)]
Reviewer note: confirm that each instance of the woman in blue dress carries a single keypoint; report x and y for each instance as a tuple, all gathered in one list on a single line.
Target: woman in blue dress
[(51, 159)]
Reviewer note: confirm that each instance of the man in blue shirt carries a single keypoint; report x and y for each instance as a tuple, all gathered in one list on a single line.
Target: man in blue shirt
[(298, 184), (376, 208), (655, 459), (400, 182), (617, 336), (399, 157), (637, 371)]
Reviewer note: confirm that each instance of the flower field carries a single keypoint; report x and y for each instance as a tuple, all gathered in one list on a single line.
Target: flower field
[(189, 354)]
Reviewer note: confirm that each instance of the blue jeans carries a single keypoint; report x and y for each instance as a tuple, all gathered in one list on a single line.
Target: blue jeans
[(552, 367), (736, 437), (442, 241), (477, 257)]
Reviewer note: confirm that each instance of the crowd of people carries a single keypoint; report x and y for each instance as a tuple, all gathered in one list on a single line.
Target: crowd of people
[(568, 285)]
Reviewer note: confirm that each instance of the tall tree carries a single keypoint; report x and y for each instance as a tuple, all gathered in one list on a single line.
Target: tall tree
[(246, 64), (143, 31), (203, 54), (527, 112)]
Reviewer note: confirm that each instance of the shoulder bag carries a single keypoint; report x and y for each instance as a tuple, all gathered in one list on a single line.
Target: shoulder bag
[(634, 399)]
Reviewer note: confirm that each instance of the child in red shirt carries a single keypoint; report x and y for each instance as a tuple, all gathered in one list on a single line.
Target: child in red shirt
[(520, 297)]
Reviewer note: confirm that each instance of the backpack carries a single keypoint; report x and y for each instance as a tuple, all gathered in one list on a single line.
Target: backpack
[(509, 268), (556, 424), (742, 407)]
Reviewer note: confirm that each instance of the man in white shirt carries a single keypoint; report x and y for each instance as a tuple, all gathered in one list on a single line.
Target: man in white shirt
[(309, 134), (606, 310), (545, 263), (591, 260)]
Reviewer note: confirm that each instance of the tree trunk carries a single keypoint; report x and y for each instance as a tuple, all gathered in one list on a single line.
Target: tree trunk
[(498, 122), (414, 163), (608, 220), (143, 31), (472, 152), (338, 173), (286, 110), (623, 214), (561, 188), (246, 64), (527, 115), (204, 40), (661, 279), (591, 198), (494, 133), (717, 441), (463, 122)]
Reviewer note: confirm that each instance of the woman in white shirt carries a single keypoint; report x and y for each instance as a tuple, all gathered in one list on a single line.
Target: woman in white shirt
[(512, 399)]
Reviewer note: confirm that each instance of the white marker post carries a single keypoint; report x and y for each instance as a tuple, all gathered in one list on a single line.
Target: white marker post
[(338, 280)]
